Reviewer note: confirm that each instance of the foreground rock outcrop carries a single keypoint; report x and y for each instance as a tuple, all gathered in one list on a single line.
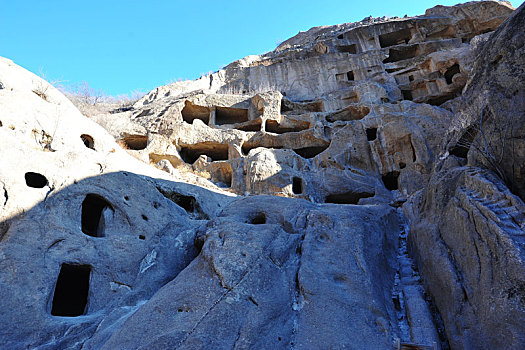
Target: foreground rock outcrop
[(279, 201), (97, 248), (468, 224)]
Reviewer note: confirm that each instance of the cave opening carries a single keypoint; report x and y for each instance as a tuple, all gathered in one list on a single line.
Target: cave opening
[(286, 105), (88, 141), (292, 126), (35, 180), (348, 76), (135, 142), (185, 202), (310, 152), (407, 95), (350, 197), (93, 209), (216, 151), (371, 134), (71, 290), (462, 147), (297, 185), (351, 49), (401, 53), (390, 180), (450, 72), (190, 112), (402, 36), (439, 100), (258, 219), (252, 126), (229, 115)]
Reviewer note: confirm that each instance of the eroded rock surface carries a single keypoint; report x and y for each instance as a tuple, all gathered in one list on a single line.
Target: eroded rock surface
[(369, 131), (255, 285), (351, 101), (468, 223)]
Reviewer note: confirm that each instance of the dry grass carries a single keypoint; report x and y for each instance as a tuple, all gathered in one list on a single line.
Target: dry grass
[(91, 102)]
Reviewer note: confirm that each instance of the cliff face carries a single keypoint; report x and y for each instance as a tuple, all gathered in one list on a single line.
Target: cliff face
[(341, 109), (288, 194), (468, 222)]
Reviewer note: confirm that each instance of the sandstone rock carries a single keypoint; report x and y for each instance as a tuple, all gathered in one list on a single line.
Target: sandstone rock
[(170, 230), (81, 217), (73, 204), (467, 224), (255, 285), (330, 117)]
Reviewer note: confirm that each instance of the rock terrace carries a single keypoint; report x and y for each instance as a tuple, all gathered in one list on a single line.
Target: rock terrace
[(358, 187)]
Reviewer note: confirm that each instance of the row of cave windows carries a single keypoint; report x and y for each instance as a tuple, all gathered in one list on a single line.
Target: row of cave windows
[(223, 115), (448, 75), (71, 293), (403, 36), (94, 206), (230, 116), (399, 37), (70, 296), (133, 142), (385, 40)]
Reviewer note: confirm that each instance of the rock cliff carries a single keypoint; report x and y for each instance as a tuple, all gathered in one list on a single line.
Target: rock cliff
[(361, 186)]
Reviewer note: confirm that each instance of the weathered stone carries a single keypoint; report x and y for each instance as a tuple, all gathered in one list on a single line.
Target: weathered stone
[(375, 66), (268, 287), (351, 122), (467, 224)]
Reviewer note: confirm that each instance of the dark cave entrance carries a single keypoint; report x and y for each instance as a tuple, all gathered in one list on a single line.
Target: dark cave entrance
[(462, 147), (216, 151), (297, 185), (93, 208), (35, 180), (190, 112), (71, 290), (258, 219), (228, 115), (407, 95), (135, 142), (451, 71), (371, 134), (401, 53), (349, 197), (390, 180), (88, 141), (402, 36), (351, 49), (310, 152)]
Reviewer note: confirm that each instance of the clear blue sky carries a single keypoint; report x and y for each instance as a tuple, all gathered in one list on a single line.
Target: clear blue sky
[(119, 46)]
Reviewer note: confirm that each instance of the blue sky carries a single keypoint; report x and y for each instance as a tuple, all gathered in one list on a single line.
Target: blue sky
[(120, 46)]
